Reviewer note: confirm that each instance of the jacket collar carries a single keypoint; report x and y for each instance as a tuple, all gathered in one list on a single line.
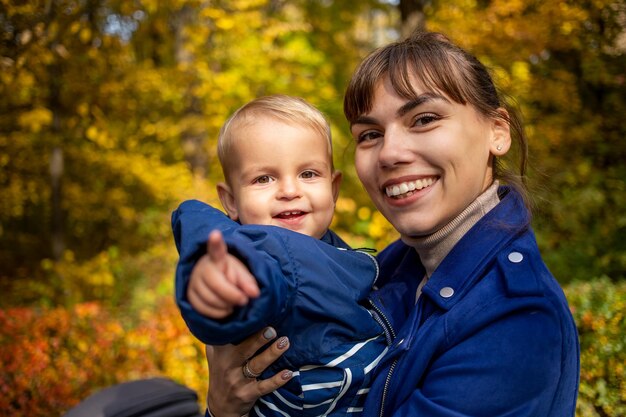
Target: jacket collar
[(469, 258), (332, 238)]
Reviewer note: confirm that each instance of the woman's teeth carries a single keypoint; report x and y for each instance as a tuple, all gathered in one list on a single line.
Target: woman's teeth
[(397, 190)]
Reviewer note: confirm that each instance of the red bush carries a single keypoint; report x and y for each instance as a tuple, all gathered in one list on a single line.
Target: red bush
[(50, 359)]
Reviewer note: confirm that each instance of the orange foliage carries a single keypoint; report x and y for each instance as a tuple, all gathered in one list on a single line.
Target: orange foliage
[(50, 359)]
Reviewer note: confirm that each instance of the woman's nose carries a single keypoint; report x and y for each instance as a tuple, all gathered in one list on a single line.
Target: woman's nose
[(395, 149)]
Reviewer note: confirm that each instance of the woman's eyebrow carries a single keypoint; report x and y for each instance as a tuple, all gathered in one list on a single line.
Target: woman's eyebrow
[(404, 109), (418, 101), (364, 120)]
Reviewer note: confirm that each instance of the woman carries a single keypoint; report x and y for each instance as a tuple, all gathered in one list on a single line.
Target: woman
[(480, 326)]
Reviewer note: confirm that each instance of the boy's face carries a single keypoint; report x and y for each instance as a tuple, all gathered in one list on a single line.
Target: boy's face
[(280, 174)]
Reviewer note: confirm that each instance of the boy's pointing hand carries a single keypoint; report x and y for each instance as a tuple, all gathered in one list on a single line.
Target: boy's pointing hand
[(219, 281)]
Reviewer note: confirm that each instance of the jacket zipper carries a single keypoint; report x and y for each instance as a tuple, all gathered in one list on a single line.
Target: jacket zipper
[(384, 322), (386, 387), (395, 361), (390, 335)]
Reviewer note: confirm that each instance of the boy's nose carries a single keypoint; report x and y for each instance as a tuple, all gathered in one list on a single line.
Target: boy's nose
[(288, 189)]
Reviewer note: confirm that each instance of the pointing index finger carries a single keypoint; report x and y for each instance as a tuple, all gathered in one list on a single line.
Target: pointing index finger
[(216, 247)]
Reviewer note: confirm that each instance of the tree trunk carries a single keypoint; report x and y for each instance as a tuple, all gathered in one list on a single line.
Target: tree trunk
[(56, 173), (193, 137), (56, 157), (412, 16)]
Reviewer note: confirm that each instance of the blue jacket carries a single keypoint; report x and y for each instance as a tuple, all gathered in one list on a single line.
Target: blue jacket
[(491, 334), (312, 290)]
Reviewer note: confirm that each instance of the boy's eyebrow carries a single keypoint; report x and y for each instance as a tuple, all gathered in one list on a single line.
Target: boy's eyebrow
[(405, 108), (271, 169), (256, 169)]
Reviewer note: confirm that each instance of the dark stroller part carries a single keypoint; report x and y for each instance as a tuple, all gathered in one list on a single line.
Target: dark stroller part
[(154, 397)]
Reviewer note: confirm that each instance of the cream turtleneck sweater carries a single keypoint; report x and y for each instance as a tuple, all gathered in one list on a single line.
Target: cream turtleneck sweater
[(432, 249)]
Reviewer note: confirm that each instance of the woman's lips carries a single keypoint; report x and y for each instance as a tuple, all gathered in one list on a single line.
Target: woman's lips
[(408, 188)]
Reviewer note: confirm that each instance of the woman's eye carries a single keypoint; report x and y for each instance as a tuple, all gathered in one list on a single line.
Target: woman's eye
[(308, 174), (425, 119), (367, 136), (263, 179)]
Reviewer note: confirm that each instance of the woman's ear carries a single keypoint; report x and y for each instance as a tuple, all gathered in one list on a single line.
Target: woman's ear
[(501, 139), (337, 176), (228, 200)]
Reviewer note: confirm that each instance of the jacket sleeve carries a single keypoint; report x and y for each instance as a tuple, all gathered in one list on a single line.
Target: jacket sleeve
[(191, 224)]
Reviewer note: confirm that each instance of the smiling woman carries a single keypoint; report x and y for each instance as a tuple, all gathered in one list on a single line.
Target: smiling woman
[(424, 111), (427, 140)]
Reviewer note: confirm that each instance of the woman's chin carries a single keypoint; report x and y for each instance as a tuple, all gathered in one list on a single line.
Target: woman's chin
[(410, 238)]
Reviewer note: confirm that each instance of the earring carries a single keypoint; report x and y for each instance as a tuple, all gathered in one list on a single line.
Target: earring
[(499, 147)]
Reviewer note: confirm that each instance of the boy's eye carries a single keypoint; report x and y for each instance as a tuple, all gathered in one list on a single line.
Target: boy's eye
[(263, 179), (308, 174)]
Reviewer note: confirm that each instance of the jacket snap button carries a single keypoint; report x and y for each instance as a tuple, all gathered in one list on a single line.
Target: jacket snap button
[(446, 292), (515, 257)]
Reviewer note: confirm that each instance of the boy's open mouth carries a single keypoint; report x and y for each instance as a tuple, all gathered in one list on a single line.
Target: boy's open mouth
[(286, 215)]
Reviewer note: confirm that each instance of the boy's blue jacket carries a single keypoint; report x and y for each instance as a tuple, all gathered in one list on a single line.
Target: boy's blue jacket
[(312, 290), (491, 335), (293, 257)]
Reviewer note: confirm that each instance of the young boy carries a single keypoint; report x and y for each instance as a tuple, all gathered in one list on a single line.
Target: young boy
[(276, 154)]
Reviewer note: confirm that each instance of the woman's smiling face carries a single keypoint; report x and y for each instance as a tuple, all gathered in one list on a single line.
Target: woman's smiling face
[(424, 160)]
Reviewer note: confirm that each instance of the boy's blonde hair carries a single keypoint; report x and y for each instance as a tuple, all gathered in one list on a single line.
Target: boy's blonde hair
[(288, 109)]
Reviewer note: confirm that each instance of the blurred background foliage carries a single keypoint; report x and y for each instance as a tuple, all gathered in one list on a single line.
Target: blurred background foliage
[(109, 113)]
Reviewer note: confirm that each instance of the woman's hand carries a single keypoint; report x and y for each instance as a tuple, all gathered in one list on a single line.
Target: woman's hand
[(231, 393)]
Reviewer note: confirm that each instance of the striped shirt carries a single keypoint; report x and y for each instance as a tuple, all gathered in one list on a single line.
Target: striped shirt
[(336, 388)]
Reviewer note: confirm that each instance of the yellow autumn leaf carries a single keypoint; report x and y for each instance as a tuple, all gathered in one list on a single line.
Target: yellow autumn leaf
[(364, 213), (35, 120)]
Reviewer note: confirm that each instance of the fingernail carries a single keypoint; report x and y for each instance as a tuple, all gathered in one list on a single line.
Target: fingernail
[(269, 333), (282, 342), (286, 375)]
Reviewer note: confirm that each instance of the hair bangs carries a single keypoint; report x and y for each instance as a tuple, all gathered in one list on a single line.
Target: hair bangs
[(427, 69)]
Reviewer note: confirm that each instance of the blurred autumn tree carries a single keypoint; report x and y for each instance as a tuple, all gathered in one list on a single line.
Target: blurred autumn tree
[(110, 110)]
